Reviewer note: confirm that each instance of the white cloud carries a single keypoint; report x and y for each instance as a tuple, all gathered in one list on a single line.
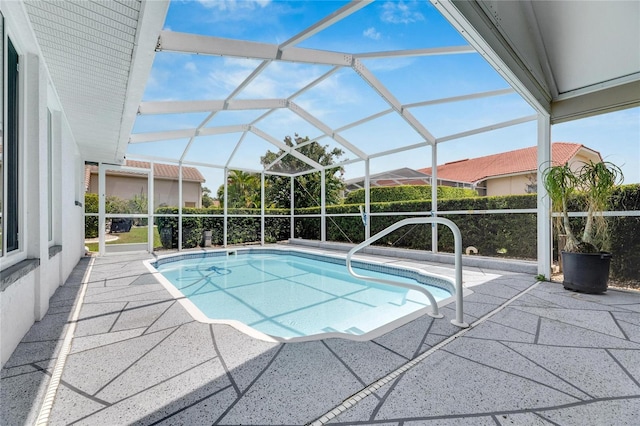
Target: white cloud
[(400, 12), (371, 33), (232, 5), (191, 67)]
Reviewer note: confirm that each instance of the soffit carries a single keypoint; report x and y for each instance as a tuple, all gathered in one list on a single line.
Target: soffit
[(574, 59), (90, 51)]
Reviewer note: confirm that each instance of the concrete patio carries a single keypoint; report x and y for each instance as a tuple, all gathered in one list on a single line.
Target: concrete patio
[(536, 354)]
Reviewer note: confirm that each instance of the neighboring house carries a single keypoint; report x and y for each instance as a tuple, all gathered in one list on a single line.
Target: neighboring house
[(404, 176), (513, 172), (165, 186)]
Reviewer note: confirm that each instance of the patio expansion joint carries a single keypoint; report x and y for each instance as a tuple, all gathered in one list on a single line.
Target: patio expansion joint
[(223, 362), (627, 372), (150, 388), (390, 350), (402, 369), (136, 361), (233, 404), (424, 338), (615, 321), (527, 378), (344, 364), (73, 388), (160, 316)]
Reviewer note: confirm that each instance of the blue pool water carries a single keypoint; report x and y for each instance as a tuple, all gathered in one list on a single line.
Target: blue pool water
[(286, 295)]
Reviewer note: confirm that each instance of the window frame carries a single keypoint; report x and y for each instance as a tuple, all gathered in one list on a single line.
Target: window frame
[(12, 152)]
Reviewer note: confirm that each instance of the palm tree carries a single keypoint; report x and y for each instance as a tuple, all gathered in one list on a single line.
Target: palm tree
[(243, 190)]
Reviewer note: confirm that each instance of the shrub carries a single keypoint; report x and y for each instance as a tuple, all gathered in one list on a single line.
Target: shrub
[(91, 222), (381, 194)]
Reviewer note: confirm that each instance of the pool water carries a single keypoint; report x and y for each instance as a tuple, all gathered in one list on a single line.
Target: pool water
[(287, 296)]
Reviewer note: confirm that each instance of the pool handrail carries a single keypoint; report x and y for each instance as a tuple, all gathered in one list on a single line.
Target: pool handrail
[(459, 320)]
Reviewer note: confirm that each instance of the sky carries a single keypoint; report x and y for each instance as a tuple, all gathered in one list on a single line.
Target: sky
[(344, 97)]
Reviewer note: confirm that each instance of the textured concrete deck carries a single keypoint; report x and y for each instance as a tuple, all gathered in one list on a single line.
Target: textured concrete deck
[(536, 355)]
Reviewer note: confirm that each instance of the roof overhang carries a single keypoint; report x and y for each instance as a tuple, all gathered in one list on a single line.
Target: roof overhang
[(570, 60), (99, 56)]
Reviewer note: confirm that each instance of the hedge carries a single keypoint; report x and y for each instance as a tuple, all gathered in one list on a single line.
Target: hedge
[(509, 234), (501, 234), (381, 194), (239, 229), (91, 222)]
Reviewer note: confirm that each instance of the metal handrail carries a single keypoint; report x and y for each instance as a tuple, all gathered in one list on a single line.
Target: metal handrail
[(459, 320)]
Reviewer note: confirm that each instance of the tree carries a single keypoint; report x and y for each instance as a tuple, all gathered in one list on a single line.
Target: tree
[(207, 199), (307, 190), (243, 190)]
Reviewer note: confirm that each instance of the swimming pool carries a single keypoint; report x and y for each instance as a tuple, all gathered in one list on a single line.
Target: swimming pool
[(289, 295)]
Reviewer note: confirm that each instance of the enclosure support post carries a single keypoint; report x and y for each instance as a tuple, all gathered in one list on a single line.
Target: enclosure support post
[(367, 200), (226, 206), (434, 196), (323, 205), (545, 241), (102, 223), (262, 208), (150, 204), (292, 221), (180, 206)]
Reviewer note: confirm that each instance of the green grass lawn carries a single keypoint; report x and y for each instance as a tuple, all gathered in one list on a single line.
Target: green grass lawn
[(137, 234)]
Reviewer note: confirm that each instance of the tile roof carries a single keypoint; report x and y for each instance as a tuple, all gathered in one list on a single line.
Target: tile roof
[(506, 163), (161, 171)]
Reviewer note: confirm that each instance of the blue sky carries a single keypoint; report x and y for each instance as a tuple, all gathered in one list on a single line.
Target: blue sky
[(344, 97)]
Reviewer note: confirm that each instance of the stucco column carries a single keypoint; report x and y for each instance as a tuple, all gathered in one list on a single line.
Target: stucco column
[(544, 205), (35, 230)]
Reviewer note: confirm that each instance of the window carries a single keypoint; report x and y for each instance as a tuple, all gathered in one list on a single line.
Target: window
[(11, 151)]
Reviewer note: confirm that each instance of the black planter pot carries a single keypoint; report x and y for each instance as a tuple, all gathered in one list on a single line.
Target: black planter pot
[(586, 272)]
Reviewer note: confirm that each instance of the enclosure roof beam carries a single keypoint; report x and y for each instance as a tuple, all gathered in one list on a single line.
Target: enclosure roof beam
[(161, 136), (325, 129), (368, 76), (336, 16), (235, 149), (155, 158), (180, 107), (186, 133), (435, 51), (284, 147), (364, 120), (173, 41), (401, 149), (488, 128), (461, 98)]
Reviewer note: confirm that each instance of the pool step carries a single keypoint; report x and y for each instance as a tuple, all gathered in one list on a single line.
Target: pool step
[(373, 318)]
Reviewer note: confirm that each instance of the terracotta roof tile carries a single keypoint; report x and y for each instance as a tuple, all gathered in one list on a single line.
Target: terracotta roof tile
[(506, 163), (163, 171)]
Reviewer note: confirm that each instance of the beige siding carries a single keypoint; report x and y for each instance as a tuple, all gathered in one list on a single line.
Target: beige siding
[(509, 185), (165, 190)]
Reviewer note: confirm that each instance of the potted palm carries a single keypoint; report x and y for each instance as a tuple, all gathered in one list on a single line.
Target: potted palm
[(585, 259)]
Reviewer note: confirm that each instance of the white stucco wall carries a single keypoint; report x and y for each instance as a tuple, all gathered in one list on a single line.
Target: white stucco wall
[(24, 298)]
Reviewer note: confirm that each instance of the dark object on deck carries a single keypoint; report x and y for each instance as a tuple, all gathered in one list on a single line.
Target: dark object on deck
[(586, 272), (120, 225)]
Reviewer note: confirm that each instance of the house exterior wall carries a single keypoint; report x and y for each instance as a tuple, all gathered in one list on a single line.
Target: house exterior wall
[(509, 185), (165, 191), (517, 184), (32, 273)]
